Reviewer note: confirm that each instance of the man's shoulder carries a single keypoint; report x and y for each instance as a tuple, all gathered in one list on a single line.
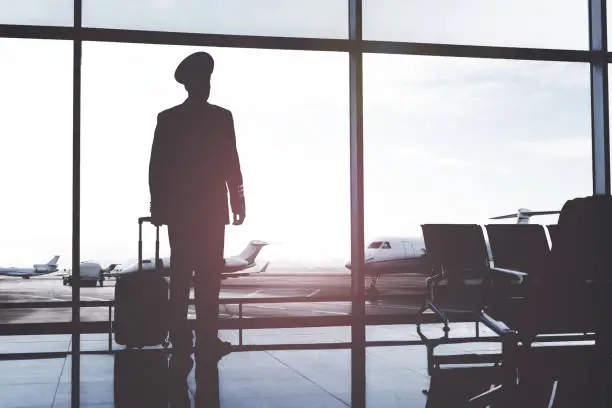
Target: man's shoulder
[(219, 109), (170, 112), (177, 112)]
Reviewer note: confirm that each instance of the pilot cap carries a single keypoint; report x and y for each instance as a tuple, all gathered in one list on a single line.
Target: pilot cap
[(194, 66)]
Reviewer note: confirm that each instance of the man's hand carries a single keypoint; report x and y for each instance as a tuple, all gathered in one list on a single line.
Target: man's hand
[(238, 206), (239, 218), (155, 219)]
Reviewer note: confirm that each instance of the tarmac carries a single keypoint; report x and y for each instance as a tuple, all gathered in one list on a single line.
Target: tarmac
[(273, 284)]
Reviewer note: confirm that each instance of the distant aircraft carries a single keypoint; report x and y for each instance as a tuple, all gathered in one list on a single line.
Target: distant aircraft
[(393, 255), (234, 265), (37, 269), (522, 215)]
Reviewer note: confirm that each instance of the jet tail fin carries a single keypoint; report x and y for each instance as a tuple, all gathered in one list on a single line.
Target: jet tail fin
[(53, 261), (252, 250)]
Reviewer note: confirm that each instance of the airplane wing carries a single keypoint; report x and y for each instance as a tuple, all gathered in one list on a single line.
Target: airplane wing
[(542, 212), (502, 217), (166, 273), (525, 213), (241, 273)]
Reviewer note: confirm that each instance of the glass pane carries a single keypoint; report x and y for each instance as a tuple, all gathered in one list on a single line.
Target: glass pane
[(291, 119), (455, 140), (519, 23), (37, 12), (283, 18), (36, 168)]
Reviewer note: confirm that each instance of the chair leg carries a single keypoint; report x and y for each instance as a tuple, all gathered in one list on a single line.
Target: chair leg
[(509, 387), (489, 397)]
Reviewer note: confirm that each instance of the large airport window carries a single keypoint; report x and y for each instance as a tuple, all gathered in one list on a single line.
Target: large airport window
[(282, 18), (37, 12), (446, 140), (466, 140), (291, 120), (519, 23), (36, 168)]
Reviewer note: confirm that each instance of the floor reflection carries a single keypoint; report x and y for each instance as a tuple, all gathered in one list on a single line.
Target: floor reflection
[(149, 378), (564, 378), (549, 377)]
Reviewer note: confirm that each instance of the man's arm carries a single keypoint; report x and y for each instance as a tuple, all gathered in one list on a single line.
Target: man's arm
[(157, 173), (233, 176)]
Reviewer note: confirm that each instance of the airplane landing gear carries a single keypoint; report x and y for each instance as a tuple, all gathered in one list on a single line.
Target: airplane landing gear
[(373, 290)]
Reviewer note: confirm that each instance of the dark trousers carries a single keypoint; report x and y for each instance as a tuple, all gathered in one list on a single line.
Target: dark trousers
[(196, 255)]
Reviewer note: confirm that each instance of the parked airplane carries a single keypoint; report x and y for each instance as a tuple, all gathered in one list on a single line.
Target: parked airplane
[(234, 265), (392, 255), (523, 215), (37, 269)]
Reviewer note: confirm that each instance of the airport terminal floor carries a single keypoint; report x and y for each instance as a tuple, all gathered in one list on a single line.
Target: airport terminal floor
[(395, 377), (262, 371)]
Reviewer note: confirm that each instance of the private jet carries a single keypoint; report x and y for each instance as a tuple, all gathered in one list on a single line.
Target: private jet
[(35, 270), (392, 255), (235, 266)]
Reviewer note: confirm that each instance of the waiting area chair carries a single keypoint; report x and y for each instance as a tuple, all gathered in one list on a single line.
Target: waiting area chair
[(462, 284), (520, 250), (528, 293), (552, 232), (565, 299)]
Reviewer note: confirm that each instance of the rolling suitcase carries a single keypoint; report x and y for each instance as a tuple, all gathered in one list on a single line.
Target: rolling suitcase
[(142, 303)]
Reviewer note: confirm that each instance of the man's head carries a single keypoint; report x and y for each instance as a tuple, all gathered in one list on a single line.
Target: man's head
[(194, 72)]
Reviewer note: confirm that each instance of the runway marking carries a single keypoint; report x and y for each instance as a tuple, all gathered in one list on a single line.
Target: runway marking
[(253, 293), (396, 306), (330, 312), (269, 307), (93, 298), (314, 293), (46, 298)]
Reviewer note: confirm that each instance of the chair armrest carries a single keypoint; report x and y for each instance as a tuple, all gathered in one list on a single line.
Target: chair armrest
[(511, 272), (429, 283), (500, 328), (434, 279)]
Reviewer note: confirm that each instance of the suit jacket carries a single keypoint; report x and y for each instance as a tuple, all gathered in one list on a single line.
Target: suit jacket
[(194, 163)]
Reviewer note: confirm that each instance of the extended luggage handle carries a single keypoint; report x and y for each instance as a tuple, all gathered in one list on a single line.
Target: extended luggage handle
[(141, 220)]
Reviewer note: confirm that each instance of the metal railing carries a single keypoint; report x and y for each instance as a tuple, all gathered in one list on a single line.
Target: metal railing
[(239, 323)]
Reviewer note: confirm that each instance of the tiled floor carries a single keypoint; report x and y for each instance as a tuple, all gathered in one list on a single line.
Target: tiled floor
[(395, 376)]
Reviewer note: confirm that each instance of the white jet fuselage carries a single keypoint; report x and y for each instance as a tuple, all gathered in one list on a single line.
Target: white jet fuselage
[(387, 255), (36, 269)]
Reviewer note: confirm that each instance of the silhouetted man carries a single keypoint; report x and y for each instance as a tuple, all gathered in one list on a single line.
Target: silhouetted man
[(194, 163)]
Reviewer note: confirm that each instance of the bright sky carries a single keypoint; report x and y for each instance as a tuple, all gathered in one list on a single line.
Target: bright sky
[(446, 139)]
